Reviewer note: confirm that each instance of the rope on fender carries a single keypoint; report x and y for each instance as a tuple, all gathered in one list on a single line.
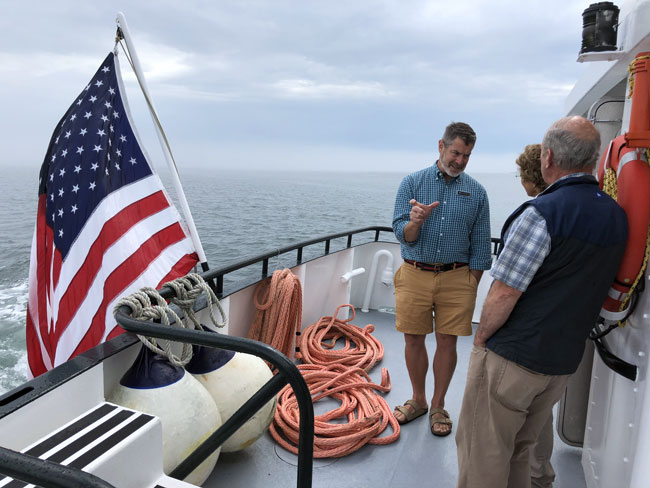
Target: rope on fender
[(148, 304)]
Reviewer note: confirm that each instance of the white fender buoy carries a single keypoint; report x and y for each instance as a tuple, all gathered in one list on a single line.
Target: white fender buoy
[(186, 410), (232, 378)]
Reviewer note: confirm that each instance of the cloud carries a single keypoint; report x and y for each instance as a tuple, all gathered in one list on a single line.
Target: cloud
[(162, 63), (300, 88), (14, 66), (383, 75)]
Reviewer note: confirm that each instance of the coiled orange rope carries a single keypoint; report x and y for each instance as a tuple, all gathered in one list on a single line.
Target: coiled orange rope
[(328, 372), (279, 311), (367, 350), (340, 374), (367, 413)]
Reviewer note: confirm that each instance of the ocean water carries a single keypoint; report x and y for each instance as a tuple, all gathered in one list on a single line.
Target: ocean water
[(238, 214)]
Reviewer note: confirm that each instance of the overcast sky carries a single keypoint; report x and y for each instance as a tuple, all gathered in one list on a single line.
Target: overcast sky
[(321, 85)]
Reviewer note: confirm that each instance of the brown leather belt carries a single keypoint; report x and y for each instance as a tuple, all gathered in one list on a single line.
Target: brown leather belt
[(436, 268)]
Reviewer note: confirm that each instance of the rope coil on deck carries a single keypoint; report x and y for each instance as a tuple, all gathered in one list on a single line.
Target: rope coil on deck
[(363, 415), (314, 349), (279, 311), (367, 413)]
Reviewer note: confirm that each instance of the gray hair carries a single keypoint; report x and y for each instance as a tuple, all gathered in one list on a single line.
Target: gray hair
[(575, 146), (461, 130)]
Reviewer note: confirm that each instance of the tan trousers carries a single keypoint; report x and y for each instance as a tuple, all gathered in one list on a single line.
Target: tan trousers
[(542, 473), (504, 410)]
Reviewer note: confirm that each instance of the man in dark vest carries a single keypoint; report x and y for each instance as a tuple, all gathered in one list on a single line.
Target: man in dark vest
[(560, 254)]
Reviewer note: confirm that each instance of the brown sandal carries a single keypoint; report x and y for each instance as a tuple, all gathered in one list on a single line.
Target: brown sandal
[(412, 413), (440, 421)]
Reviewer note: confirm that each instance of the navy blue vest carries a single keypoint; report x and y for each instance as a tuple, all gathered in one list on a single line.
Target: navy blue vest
[(550, 322)]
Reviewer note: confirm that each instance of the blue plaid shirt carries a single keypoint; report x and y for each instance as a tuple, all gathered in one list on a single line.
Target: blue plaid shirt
[(458, 230), (526, 245)]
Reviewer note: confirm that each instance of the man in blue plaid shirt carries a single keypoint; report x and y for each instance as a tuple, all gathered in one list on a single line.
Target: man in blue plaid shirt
[(442, 220)]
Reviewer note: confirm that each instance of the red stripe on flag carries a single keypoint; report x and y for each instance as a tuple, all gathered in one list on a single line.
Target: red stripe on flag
[(44, 251), (36, 364), (125, 274), (47, 325), (181, 268), (56, 269), (37, 334), (113, 229)]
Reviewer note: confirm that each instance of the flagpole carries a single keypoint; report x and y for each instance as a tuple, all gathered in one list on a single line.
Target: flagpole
[(139, 73)]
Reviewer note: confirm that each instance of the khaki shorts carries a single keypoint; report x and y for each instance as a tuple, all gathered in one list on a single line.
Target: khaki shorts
[(451, 295)]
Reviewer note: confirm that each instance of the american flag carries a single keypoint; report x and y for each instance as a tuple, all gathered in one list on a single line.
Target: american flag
[(105, 227)]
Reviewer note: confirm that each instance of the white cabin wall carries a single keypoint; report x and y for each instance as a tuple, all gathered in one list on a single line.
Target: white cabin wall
[(608, 115), (240, 310), (323, 291), (617, 436), (641, 470), (382, 295)]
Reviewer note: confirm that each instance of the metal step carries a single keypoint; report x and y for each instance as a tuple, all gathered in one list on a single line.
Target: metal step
[(119, 445)]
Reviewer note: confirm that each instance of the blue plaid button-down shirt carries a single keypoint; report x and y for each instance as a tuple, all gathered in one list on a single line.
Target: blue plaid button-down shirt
[(458, 230), (526, 245)]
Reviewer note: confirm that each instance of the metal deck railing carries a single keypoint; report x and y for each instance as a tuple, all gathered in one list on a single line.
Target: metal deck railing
[(218, 274)]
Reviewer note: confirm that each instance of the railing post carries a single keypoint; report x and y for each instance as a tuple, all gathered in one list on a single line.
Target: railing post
[(219, 284)]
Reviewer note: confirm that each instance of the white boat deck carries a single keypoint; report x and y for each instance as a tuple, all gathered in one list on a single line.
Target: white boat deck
[(417, 458)]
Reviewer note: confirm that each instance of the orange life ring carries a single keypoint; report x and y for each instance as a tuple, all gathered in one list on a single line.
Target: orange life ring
[(633, 195)]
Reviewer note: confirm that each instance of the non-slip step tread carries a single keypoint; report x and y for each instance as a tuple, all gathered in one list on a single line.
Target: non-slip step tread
[(97, 422), (77, 426)]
